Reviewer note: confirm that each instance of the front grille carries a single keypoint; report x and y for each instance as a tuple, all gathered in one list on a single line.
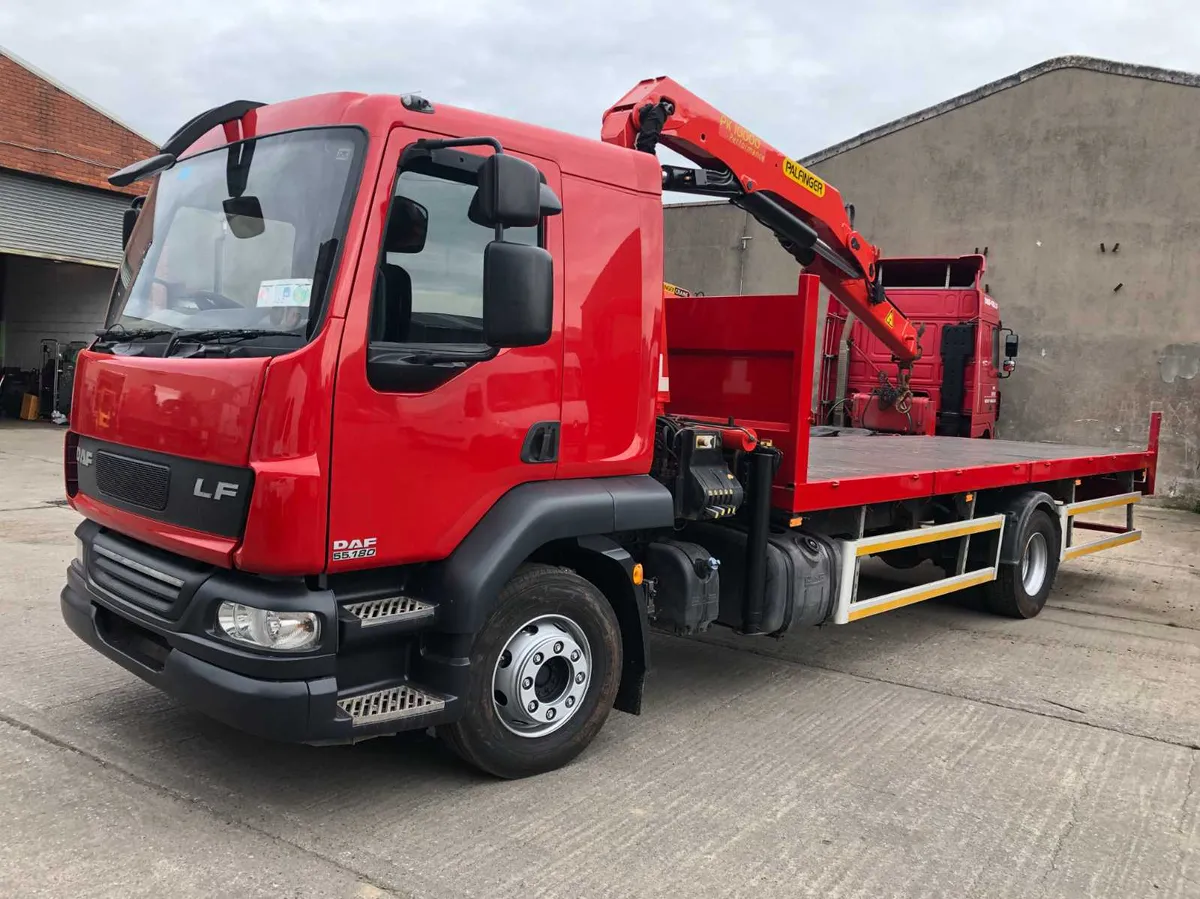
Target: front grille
[(132, 480), (390, 703), (126, 578)]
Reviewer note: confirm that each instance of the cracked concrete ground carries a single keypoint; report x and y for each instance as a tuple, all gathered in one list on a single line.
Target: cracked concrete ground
[(934, 751)]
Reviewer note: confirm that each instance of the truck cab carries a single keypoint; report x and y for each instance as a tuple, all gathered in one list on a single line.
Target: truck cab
[(966, 352), (310, 391)]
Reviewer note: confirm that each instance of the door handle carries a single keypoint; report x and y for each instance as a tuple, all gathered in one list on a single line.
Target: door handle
[(541, 443)]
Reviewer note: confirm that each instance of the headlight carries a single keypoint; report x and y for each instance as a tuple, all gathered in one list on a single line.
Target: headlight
[(282, 631)]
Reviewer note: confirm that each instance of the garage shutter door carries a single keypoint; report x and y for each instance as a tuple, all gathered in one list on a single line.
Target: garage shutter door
[(59, 221)]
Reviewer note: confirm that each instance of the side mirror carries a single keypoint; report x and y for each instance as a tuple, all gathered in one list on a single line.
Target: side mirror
[(510, 192), (129, 219), (407, 227), (518, 295), (1011, 344)]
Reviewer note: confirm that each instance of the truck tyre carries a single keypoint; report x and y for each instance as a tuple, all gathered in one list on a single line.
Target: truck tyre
[(903, 559), (1020, 590), (547, 665)]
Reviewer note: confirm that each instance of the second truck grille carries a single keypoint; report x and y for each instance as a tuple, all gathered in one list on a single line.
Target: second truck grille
[(133, 481)]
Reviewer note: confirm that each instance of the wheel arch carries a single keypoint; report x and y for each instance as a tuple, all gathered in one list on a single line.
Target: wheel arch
[(1017, 507), (608, 567), (565, 523)]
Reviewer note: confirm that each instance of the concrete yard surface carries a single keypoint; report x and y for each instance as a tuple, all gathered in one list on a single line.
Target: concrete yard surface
[(933, 751)]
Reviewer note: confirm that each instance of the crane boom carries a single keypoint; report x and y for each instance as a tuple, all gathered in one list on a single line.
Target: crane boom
[(804, 211)]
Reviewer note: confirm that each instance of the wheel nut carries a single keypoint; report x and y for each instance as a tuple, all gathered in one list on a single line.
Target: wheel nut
[(575, 655), (527, 683), (579, 678), (533, 706), (549, 714), (558, 647), (570, 701), (537, 658)]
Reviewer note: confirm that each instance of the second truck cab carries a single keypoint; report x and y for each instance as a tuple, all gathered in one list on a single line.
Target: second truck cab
[(966, 352)]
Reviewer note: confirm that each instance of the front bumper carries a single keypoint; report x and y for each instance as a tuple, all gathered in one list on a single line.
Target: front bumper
[(292, 698)]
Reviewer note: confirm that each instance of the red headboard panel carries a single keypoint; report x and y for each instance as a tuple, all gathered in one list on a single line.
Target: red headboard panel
[(750, 358)]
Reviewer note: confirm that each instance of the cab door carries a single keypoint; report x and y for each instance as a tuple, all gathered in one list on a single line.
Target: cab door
[(423, 442)]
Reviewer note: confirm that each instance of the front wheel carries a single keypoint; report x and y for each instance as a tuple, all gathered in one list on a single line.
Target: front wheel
[(1021, 590), (547, 666)]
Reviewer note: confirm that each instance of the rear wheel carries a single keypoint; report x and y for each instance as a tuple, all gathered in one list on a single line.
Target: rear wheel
[(1020, 590), (547, 666)]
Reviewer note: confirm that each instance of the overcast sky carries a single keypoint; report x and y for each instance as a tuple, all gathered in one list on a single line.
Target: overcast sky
[(802, 75)]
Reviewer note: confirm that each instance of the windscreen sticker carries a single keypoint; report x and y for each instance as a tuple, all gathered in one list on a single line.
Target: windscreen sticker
[(285, 292)]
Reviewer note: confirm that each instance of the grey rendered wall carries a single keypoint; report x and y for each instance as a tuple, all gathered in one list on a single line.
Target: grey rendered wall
[(50, 299), (1041, 174)]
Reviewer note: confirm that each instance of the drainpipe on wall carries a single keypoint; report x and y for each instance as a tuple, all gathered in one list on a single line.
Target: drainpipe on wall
[(744, 240)]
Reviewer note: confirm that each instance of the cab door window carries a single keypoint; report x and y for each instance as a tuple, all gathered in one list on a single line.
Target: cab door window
[(429, 281)]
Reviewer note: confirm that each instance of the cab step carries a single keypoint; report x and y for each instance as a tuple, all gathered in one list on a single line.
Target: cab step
[(389, 704), (375, 612)]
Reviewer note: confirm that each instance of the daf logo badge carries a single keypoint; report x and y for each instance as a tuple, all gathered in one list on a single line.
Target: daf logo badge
[(83, 457)]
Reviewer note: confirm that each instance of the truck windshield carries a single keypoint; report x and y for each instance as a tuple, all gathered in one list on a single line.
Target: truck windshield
[(241, 238)]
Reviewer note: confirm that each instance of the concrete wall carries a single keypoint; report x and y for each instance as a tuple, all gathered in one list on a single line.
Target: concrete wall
[(1041, 173), (49, 299)]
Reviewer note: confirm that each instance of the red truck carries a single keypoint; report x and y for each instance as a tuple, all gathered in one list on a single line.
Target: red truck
[(965, 353), (388, 428)]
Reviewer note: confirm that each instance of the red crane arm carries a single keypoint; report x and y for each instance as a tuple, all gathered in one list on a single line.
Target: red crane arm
[(804, 212)]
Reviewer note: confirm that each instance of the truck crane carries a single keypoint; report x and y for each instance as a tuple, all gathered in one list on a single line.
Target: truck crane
[(804, 212), (394, 424)]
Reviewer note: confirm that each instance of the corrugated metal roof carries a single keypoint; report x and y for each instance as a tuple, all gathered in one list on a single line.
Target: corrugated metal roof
[(56, 220)]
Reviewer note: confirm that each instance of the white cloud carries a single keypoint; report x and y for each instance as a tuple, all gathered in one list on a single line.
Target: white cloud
[(802, 76)]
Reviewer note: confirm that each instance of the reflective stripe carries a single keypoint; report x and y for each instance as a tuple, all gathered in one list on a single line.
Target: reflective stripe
[(902, 598), (1074, 552), (921, 536), (1105, 502)]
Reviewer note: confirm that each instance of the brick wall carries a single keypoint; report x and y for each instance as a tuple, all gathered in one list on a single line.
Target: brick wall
[(87, 145)]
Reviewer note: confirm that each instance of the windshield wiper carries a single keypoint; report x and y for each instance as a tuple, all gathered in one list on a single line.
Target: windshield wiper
[(120, 332), (221, 334), (231, 334)]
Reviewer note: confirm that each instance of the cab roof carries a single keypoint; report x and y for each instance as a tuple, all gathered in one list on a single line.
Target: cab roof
[(379, 114)]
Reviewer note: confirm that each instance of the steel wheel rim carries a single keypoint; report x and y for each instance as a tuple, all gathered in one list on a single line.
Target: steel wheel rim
[(1034, 563), (541, 676)]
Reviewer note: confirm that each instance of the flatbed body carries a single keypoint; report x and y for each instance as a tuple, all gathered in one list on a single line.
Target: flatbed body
[(850, 469), (749, 360)]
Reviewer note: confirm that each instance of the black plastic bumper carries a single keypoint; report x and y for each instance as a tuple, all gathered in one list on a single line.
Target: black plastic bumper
[(300, 711), (291, 699)]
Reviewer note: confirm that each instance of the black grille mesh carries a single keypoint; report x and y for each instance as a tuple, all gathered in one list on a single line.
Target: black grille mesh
[(132, 481)]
